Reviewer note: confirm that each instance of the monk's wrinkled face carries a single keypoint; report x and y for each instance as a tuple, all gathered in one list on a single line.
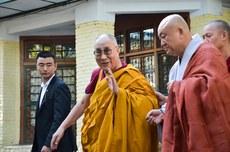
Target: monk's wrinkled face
[(170, 40), (213, 35), (106, 54)]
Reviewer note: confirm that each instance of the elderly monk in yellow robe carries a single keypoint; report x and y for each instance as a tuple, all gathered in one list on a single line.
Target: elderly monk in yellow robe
[(116, 102)]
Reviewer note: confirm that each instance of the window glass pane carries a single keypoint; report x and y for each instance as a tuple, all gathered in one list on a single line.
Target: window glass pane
[(69, 51), (68, 72), (136, 62), (33, 49), (62, 49), (59, 54), (46, 48), (65, 51), (31, 92), (134, 41), (58, 47), (165, 62), (68, 76), (121, 42), (148, 38), (146, 65), (34, 73), (35, 81), (148, 69)]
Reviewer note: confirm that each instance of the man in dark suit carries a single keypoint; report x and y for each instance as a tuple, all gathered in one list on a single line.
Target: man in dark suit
[(53, 106)]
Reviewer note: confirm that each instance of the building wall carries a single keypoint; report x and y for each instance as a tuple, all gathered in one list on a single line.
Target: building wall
[(1, 92), (198, 22), (86, 34), (9, 93), (92, 18)]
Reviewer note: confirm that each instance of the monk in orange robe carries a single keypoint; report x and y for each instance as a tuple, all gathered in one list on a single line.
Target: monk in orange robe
[(115, 105), (197, 116)]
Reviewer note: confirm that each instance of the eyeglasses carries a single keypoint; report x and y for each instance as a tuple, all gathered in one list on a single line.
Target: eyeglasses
[(98, 52)]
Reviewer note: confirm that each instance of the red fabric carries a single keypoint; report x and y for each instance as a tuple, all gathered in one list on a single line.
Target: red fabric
[(228, 63), (93, 81), (197, 117)]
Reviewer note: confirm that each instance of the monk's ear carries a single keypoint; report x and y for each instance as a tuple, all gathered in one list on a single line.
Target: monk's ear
[(224, 35), (181, 31)]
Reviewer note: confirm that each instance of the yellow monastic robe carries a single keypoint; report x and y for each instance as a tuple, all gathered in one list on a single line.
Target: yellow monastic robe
[(116, 123)]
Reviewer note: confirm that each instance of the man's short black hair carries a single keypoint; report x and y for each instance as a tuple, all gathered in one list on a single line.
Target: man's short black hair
[(46, 54)]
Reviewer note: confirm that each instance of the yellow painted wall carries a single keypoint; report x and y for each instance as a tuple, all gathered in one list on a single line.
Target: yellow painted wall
[(198, 22), (9, 92)]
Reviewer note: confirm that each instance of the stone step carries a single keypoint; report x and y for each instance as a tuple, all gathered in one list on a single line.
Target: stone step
[(16, 148)]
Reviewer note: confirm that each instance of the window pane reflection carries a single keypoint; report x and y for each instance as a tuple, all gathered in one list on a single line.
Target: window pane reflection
[(146, 65), (164, 64), (148, 38), (121, 42), (33, 50), (68, 76), (136, 62), (47, 48), (65, 51), (148, 69), (134, 41), (60, 50)]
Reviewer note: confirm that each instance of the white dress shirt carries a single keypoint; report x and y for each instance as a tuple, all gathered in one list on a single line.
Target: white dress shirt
[(44, 87)]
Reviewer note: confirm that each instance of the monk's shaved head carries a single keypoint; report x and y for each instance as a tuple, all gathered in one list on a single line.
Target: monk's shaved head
[(219, 26), (217, 32), (174, 34), (173, 20)]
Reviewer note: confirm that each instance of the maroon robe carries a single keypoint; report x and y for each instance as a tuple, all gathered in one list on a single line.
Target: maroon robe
[(197, 117), (228, 63)]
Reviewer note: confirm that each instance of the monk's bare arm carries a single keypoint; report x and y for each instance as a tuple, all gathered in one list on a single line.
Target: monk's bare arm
[(74, 114)]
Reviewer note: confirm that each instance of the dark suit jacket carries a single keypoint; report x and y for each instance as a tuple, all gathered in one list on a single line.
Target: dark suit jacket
[(56, 105)]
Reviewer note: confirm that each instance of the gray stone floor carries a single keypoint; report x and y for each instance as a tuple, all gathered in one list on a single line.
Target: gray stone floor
[(16, 148)]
